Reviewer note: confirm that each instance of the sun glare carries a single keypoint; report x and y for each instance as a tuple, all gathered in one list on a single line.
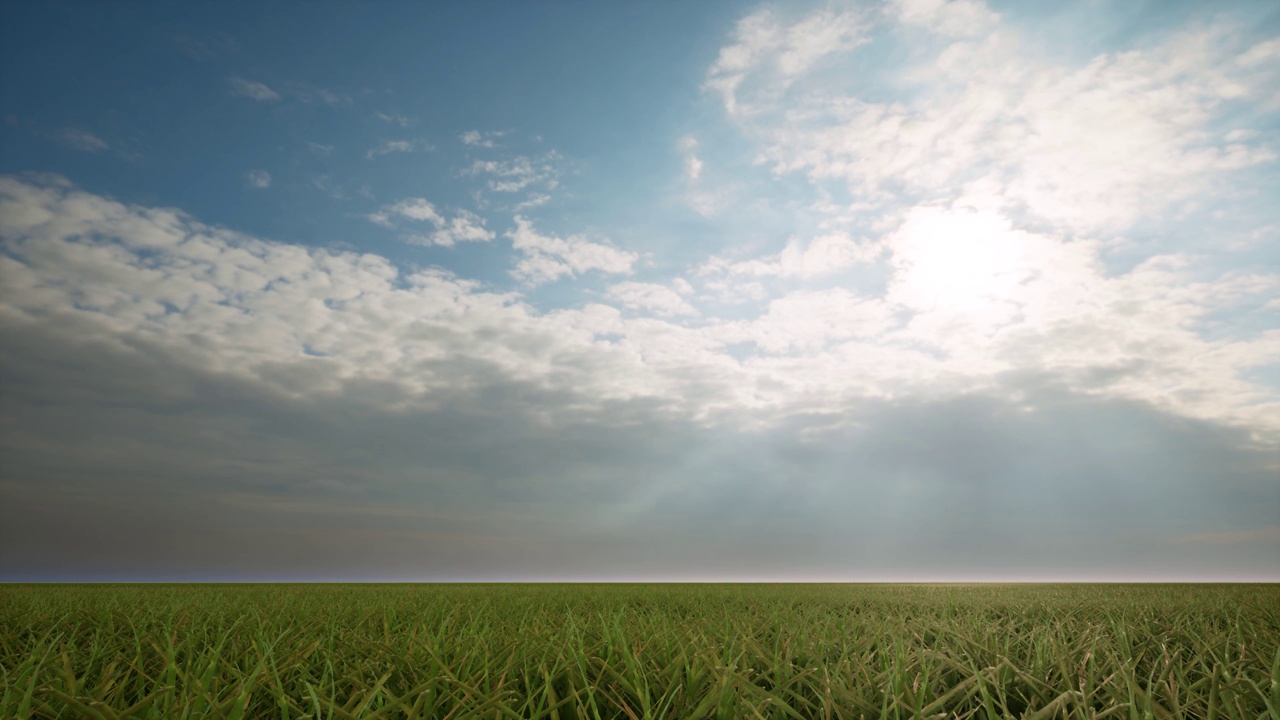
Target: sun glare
[(971, 263)]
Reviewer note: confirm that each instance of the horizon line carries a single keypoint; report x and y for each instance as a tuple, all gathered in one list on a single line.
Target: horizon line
[(1086, 581)]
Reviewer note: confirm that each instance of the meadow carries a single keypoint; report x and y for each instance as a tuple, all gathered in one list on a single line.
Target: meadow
[(640, 651)]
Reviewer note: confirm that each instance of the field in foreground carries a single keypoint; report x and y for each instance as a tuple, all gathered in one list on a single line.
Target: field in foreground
[(640, 651)]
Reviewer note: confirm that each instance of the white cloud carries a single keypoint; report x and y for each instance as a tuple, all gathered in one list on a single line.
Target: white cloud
[(395, 119), (822, 255), (253, 90), (475, 138), (1265, 52), (808, 320), (548, 258), (653, 297), (519, 173), (535, 200), (692, 167), (415, 209), (1085, 147), (398, 146), (732, 290), (692, 164), (108, 272), (710, 203), (83, 140), (954, 18), (462, 227), (257, 179), (765, 46)]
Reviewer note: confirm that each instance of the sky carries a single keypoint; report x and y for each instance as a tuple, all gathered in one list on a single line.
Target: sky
[(909, 290)]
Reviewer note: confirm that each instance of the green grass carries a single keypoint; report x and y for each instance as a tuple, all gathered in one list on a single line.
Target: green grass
[(639, 651)]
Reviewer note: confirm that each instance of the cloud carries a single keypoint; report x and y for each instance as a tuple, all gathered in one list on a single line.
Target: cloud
[(710, 203), (820, 256), (993, 187), (1088, 147), (1046, 305), (535, 200), (811, 320), (257, 179), (952, 18), (253, 90), (519, 173), (653, 297), (548, 258), (398, 146), (395, 119), (122, 445), (475, 138), (1260, 54), (462, 227), (143, 344), (766, 47), (733, 291), (82, 140), (692, 167), (300, 92), (412, 208), (706, 201)]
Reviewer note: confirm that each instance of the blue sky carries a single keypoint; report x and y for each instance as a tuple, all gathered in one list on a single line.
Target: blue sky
[(562, 290)]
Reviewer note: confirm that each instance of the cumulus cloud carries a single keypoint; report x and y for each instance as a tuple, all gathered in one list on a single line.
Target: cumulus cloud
[(464, 226), (253, 90), (810, 320), (774, 52), (819, 256), (993, 185), (952, 18), (519, 173), (1044, 304), (653, 297), (475, 138), (548, 258), (1087, 146)]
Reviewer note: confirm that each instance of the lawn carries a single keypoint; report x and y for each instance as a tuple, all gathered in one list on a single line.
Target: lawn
[(640, 651)]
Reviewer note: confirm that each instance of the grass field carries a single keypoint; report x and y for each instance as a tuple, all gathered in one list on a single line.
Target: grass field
[(640, 651)]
